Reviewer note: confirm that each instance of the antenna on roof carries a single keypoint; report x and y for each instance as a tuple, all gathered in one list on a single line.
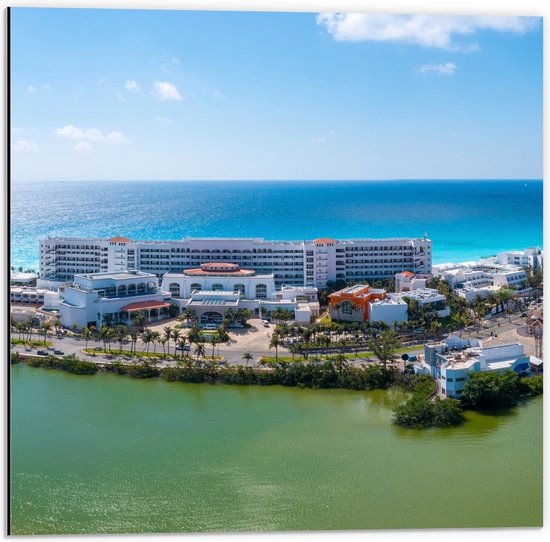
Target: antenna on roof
[(425, 235)]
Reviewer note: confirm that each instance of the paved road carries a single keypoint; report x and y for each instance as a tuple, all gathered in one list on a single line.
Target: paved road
[(254, 342), (231, 353)]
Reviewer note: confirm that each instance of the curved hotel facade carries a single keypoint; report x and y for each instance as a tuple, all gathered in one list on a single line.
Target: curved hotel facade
[(297, 263)]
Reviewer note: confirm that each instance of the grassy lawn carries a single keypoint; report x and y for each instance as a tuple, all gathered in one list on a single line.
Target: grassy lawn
[(349, 355)]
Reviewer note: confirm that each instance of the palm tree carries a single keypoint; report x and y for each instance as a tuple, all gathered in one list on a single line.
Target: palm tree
[(155, 337), (200, 350), (275, 342), (133, 338), (146, 339), (215, 340), (87, 332), (163, 340), (140, 318), (247, 356), (182, 343), (120, 335), (46, 327), (167, 335), (176, 335), (103, 332), (110, 336)]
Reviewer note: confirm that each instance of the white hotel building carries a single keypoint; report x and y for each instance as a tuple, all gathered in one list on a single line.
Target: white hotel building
[(299, 263)]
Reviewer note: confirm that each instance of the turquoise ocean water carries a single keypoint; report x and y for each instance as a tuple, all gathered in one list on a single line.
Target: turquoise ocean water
[(464, 219)]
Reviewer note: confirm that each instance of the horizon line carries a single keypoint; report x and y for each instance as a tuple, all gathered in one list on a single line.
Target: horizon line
[(412, 179)]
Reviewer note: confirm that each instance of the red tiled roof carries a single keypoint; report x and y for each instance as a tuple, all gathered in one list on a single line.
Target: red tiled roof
[(324, 240), (119, 239), (229, 273), (144, 305), (407, 273)]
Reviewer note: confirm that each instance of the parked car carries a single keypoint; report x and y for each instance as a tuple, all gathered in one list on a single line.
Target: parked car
[(265, 323), (42, 352), (58, 352)]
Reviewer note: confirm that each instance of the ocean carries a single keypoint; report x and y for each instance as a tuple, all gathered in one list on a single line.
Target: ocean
[(465, 219)]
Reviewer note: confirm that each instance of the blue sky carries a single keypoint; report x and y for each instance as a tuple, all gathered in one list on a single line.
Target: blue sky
[(106, 94)]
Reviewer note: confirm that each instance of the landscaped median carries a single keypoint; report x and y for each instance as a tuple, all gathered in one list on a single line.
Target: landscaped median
[(32, 344), (147, 355)]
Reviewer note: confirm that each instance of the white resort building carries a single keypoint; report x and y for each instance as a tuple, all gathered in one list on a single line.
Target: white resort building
[(295, 263), (479, 278), (452, 361), (111, 298)]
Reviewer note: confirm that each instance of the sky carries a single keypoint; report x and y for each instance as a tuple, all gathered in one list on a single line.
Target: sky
[(169, 95)]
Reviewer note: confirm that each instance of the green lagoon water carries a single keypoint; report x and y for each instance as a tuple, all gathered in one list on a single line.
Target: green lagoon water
[(107, 454)]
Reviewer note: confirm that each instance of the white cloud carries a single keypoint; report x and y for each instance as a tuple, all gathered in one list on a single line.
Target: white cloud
[(440, 69), (23, 145), (174, 60), (167, 91), (164, 120), (90, 134), (132, 85), (30, 88), (323, 138), (82, 146), (46, 86), (425, 30)]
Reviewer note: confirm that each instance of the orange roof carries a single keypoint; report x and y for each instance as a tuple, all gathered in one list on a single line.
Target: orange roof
[(119, 239), (324, 240), (407, 273), (144, 305), (214, 272)]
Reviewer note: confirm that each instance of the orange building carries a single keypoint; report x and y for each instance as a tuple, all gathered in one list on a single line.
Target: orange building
[(352, 303)]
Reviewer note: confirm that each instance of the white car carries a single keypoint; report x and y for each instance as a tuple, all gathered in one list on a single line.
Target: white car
[(265, 323)]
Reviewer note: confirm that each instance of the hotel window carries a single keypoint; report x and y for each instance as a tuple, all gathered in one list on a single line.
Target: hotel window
[(347, 307), (217, 287), (261, 291), (174, 289), (239, 288), (196, 287)]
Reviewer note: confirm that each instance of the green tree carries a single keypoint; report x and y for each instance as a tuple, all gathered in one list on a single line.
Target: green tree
[(139, 319), (247, 356), (384, 346), (275, 342)]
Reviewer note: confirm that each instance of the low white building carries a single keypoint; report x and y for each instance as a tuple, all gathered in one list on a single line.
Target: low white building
[(23, 279), (481, 274), (388, 310), (99, 298), (428, 298), (452, 362), (30, 295)]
